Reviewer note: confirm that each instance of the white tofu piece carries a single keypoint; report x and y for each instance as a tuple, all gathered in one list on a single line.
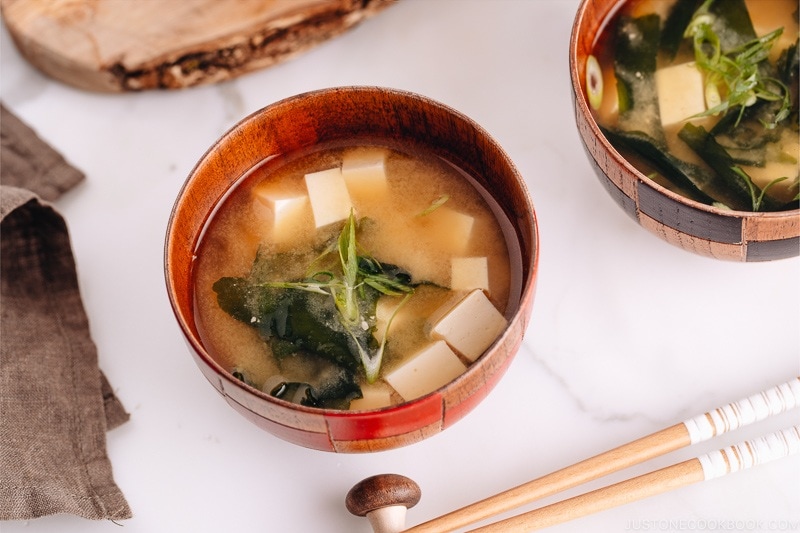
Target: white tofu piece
[(330, 200), (432, 367), (449, 229), (365, 174), (375, 396), (468, 273), (282, 211), (681, 92), (470, 326), (384, 309)]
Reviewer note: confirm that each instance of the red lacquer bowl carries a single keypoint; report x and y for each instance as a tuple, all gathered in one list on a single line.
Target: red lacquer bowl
[(693, 226), (333, 115)]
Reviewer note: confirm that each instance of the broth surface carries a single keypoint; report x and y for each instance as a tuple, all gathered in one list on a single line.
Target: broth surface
[(402, 224)]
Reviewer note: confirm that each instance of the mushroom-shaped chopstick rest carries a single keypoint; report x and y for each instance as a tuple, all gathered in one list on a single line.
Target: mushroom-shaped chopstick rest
[(384, 499)]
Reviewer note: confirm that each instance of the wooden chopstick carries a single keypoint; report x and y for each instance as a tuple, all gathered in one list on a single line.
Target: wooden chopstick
[(703, 468), (698, 429)]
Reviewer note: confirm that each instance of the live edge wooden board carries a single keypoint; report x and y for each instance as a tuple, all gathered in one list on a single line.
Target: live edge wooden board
[(125, 45)]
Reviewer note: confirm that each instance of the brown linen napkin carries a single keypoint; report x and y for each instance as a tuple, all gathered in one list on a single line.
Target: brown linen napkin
[(30, 163), (55, 404)]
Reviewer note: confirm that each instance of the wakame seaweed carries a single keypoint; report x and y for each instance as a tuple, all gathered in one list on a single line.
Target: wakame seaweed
[(289, 320), (731, 22), (332, 390), (675, 26), (329, 314), (756, 101), (635, 65), (335, 392), (706, 146), (692, 178), (788, 67)]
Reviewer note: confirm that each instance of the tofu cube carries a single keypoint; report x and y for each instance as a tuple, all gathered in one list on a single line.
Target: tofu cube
[(470, 326), (432, 367), (283, 212), (681, 92), (365, 174), (330, 200), (375, 396), (468, 273), (385, 308), (448, 229)]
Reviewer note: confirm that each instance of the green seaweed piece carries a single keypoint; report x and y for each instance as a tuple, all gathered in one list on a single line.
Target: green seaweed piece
[(731, 21), (788, 71), (678, 19), (290, 321), (336, 391), (636, 42), (705, 145), (694, 180)]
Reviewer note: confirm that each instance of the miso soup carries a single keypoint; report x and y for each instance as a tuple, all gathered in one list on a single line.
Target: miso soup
[(702, 97), (354, 276)]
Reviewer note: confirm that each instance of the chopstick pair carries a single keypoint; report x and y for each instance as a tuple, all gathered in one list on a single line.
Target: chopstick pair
[(770, 402)]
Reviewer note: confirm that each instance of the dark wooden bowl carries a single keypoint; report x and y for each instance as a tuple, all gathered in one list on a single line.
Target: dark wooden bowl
[(693, 226), (331, 115)]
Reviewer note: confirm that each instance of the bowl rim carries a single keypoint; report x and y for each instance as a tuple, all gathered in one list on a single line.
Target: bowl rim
[(516, 323)]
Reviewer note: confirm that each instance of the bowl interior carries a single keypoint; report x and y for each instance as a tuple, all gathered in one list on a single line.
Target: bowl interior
[(693, 226), (351, 113)]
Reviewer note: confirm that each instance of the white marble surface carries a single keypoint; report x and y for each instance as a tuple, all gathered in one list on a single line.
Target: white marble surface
[(629, 334)]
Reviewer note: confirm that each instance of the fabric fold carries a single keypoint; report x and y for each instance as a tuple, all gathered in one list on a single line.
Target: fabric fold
[(28, 162), (55, 403)]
